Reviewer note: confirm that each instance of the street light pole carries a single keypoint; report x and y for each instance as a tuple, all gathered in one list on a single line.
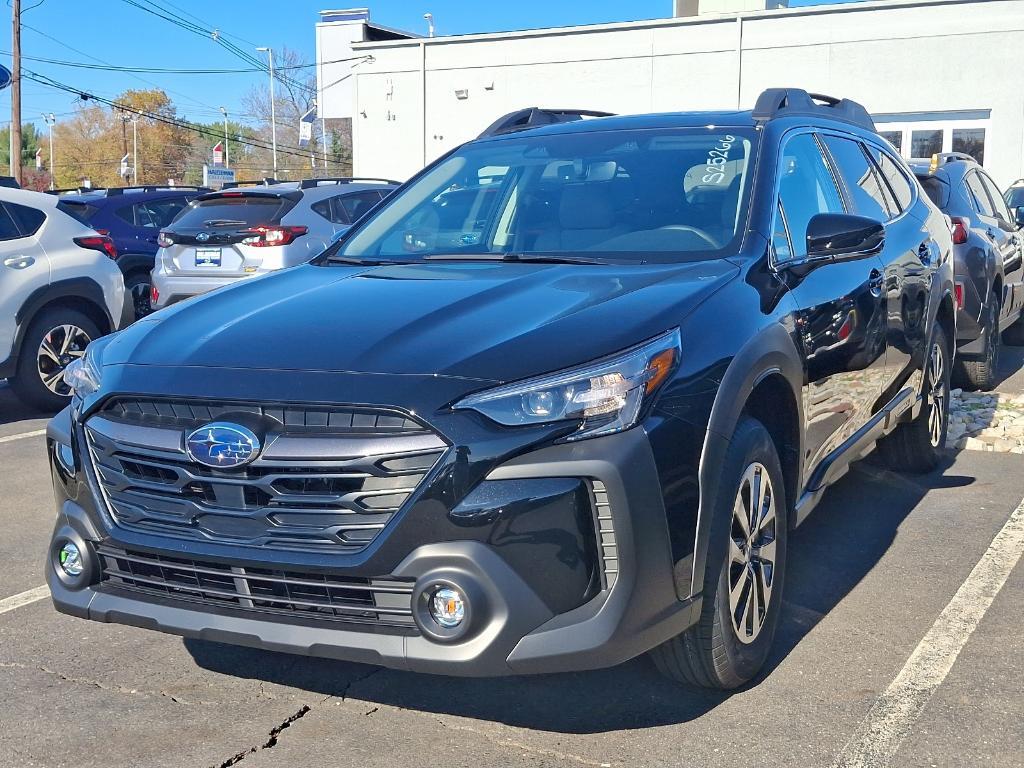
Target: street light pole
[(51, 120), (227, 157), (273, 113)]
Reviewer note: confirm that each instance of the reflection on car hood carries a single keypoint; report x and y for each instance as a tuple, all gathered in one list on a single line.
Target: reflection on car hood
[(494, 321)]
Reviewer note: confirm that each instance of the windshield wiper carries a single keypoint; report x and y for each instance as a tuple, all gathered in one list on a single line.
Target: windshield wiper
[(527, 258), (355, 260), (223, 223)]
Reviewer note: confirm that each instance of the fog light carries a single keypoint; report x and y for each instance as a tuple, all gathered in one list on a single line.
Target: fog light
[(448, 607), (70, 560)]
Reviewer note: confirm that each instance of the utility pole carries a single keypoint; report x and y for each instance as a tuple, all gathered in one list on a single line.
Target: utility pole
[(227, 157), (16, 90), (135, 149), (273, 113), (51, 121)]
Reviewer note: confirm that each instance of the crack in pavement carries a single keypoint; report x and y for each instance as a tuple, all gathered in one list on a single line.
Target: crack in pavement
[(272, 739), (102, 686)]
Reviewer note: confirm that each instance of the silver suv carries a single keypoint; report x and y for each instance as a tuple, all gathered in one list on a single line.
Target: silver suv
[(238, 233), (59, 290)]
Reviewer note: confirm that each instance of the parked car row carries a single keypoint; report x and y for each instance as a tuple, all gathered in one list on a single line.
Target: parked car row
[(557, 402), (78, 264)]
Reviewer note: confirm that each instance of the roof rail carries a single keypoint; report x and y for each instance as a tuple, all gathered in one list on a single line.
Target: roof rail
[(71, 191), (311, 183), (789, 102), (154, 188), (531, 117)]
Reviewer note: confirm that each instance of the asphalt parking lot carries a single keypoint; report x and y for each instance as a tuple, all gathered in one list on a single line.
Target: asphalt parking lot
[(885, 656)]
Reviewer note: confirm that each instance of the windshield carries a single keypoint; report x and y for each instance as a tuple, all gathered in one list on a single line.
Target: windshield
[(1015, 197), (640, 195)]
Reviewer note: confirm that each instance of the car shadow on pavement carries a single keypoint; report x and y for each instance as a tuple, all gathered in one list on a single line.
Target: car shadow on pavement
[(12, 409), (830, 554)]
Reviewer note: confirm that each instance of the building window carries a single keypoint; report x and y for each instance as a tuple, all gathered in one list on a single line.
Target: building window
[(970, 141), (925, 143), (893, 137)]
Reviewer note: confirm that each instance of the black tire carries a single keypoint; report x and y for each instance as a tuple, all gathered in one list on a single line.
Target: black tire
[(712, 653), (916, 446), (980, 374), (1014, 335), (138, 286), (28, 382)]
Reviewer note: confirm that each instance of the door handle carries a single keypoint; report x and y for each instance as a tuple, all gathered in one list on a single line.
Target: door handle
[(875, 282), (19, 262)]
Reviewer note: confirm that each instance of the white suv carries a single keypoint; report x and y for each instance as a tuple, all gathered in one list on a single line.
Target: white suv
[(59, 289)]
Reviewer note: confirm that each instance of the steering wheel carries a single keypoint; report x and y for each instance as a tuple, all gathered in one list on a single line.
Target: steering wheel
[(693, 231)]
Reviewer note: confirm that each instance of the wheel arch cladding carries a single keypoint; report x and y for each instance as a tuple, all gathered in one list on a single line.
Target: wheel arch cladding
[(81, 294), (946, 318), (766, 375)]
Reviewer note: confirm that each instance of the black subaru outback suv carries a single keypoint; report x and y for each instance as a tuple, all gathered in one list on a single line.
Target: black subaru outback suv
[(557, 403)]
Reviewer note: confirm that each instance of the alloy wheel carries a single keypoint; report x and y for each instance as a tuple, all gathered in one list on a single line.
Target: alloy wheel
[(751, 567), (59, 347), (937, 395)]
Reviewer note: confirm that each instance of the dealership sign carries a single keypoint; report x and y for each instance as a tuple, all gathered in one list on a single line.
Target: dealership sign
[(216, 177)]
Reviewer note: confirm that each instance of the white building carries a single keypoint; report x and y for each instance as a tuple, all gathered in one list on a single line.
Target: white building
[(938, 75)]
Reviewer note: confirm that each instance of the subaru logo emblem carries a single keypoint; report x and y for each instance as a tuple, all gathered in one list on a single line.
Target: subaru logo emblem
[(202, 237), (222, 445)]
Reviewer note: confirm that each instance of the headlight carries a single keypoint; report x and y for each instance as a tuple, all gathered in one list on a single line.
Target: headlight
[(605, 396), (83, 375)]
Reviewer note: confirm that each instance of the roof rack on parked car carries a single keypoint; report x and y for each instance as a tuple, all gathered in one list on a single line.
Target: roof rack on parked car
[(789, 102), (531, 117), (111, 191), (70, 191), (311, 183)]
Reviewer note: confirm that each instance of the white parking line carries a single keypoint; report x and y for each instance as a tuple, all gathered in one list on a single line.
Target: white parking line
[(892, 716), (25, 598), (22, 436)]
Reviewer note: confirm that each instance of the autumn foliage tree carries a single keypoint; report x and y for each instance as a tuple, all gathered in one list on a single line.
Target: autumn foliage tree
[(92, 143)]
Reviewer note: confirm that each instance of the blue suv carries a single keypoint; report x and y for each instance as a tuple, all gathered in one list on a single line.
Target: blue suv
[(132, 217)]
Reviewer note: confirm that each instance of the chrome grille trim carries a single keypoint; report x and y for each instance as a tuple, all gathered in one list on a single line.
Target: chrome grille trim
[(309, 491)]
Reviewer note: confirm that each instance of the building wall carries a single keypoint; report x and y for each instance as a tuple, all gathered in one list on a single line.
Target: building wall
[(928, 62)]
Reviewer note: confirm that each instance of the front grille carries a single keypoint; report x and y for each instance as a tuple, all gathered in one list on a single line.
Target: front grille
[(320, 483), (381, 602)]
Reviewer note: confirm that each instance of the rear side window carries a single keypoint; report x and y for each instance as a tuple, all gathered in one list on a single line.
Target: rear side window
[(979, 195), (895, 178), (8, 229), (806, 188), (83, 212), (29, 219), (858, 174), (356, 205), (250, 210)]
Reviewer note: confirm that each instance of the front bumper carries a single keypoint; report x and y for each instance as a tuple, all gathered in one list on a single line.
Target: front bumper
[(515, 630)]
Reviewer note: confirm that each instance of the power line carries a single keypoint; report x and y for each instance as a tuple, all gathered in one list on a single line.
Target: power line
[(85, 96), (172, 71)]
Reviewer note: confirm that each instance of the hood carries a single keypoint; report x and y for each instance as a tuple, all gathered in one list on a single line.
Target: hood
[(484, 321)]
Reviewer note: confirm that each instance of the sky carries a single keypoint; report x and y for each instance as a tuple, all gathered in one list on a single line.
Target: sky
[(120, 32)]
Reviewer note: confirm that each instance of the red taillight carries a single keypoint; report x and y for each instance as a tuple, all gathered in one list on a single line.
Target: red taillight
[(154, 294), (100, 243), (958, 290), (263, 237), (164, 240), (959, 230)]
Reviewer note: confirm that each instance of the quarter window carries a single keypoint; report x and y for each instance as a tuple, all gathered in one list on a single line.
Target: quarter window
[(8, 229), (28, 219), (806, 188), (859, 176)]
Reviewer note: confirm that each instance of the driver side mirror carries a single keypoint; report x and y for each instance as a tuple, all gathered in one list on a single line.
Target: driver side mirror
[(844, 236), (1018, 216)]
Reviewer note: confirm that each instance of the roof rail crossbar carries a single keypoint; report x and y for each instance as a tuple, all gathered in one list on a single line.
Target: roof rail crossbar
[(531, 117), (789, 102), (311, 183)]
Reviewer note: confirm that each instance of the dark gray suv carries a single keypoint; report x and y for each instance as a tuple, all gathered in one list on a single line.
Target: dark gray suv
[(987, 250)]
